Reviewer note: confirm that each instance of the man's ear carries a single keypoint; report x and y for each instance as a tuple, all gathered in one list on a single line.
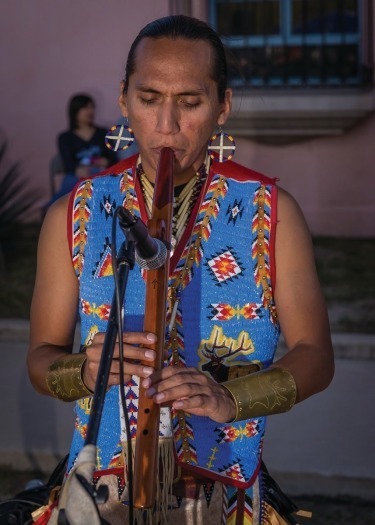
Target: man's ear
[(122, 100), (226, 108)]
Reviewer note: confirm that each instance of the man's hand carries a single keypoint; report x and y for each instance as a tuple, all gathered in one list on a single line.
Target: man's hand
[(192, 391)]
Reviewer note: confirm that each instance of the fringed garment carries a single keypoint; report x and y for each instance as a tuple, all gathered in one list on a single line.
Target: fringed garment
[(224, 323)]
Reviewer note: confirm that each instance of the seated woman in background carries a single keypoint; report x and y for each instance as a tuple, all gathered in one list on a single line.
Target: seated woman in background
[(82, 148)]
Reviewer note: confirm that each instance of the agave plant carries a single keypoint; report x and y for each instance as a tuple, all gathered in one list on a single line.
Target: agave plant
[(17, 199)]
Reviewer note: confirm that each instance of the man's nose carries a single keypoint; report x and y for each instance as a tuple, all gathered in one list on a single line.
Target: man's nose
[(168, 118)]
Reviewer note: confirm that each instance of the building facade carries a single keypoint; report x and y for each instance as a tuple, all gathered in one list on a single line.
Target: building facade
[(301, 71)]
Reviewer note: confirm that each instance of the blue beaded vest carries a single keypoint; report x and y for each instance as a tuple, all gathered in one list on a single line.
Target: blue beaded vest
[(224, 321)]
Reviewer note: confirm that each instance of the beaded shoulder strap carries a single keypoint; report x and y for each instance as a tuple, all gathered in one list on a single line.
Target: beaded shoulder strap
[(261, 247), (81, 216)]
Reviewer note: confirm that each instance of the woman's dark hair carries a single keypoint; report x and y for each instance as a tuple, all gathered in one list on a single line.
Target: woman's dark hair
[(76, 103), (180, 26)]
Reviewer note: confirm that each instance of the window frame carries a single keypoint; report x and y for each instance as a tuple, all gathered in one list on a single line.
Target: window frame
[(287, 38)]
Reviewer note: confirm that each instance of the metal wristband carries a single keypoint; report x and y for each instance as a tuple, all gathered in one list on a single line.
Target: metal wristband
[(64, 378), (263, 393)]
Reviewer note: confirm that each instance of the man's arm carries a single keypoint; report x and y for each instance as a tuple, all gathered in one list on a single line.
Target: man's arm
[(54, 305), (300, 304)]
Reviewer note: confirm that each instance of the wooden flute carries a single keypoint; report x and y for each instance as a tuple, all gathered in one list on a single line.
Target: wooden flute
[(160, 227)]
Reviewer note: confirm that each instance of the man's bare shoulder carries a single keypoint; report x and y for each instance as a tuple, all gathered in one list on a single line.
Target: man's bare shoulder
[(56, 215), (289, 213)]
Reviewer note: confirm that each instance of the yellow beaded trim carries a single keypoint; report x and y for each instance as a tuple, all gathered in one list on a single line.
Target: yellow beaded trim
[(262, 269), (82, 224), (127, 187)]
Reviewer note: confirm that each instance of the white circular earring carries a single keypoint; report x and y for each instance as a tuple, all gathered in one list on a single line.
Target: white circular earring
[(118, 134), (221, 147)]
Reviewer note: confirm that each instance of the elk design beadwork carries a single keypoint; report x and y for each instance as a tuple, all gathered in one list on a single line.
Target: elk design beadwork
[(219, 355)]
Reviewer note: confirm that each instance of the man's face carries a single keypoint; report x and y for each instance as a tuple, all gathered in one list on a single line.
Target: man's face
[(172, 101)]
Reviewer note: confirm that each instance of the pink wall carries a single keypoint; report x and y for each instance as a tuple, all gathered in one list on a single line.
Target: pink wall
[(331, 178), (51, 49)]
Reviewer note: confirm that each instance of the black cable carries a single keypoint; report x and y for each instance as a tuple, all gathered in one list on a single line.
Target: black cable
[(21, 501), (115, 265)]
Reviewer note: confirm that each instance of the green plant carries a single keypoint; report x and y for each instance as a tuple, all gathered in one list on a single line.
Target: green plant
[(17, 199)]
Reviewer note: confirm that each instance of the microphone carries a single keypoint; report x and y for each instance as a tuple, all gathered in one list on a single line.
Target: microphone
[(150, 253)]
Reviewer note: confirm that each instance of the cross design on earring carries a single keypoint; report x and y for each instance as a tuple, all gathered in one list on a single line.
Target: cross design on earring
[(124, 134), (216, 152)]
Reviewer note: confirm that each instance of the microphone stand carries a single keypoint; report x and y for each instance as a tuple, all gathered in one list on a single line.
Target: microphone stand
[(78, 500)]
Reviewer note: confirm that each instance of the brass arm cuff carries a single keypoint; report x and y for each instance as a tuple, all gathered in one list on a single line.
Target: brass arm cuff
[(64, 378), (270, 391)]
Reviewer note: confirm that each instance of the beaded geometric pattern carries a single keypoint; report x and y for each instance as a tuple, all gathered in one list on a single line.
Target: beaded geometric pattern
[(193, 252), (225, 266), (130, 200), (118, 459), (81, 215), (101, 310), (82, 429), (183, 434), (226, 312), (108, 206), (234, 511), (234, 470), (103, 267), (234, 211), (132, 406), (229, 433), (261, 227)]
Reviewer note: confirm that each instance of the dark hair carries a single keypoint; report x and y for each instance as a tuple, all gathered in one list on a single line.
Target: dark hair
[(180, 26), (76, 103)]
